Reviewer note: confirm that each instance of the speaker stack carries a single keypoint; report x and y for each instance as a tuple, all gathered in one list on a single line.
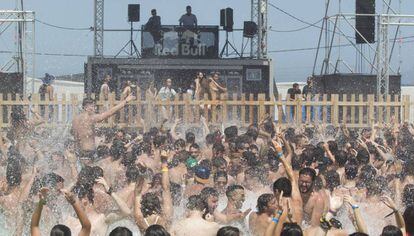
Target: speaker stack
[(133, 12), (226, 19), (365, 25)]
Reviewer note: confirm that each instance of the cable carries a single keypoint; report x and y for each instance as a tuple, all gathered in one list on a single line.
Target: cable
[(62, 27), (48, 54), (294, 17), (307, 23), (296, 30), (333, 46)]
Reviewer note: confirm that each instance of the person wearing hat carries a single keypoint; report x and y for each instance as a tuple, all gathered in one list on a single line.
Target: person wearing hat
[(46, 91), (201, 180)]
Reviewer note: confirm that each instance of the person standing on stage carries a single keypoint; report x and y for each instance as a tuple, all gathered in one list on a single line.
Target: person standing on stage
[(188, 20), (153, 26)]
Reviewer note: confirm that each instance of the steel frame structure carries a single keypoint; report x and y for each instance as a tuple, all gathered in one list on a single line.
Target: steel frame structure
[(259, 15), (25, 58), (382, 51), (99, 28)]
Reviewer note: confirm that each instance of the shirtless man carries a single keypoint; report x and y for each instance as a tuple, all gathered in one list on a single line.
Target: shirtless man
[(194, 224), (314, 203), (83, 125), (259, 221), (235, 199)]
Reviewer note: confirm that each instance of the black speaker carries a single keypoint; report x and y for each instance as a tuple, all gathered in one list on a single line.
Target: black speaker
[(365, 25), (226, 19), (249, 29), (133, 12)]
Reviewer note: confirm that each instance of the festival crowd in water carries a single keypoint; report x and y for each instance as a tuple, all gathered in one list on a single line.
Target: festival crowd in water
[(204, 179)]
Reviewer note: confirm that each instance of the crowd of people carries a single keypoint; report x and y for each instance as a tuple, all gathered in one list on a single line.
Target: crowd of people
[(205, 180), (201, 87)]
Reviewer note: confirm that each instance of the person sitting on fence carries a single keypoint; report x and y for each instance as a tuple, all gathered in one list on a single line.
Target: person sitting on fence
[(83, 125)]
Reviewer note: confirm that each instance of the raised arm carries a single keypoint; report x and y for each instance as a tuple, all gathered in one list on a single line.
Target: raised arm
[(398, 217), (125, 211), (139, 218), (34, 224), (360, 225), (166, 194), (297, 203), (102, 116), (83, 218)]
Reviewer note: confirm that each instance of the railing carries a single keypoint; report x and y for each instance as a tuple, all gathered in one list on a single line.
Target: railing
[(240, 109)]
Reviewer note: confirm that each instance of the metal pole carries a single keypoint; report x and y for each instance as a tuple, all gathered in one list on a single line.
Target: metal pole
[(320, 36)]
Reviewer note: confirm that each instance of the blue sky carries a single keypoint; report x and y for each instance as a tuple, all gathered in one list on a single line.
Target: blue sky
[(289, 66)]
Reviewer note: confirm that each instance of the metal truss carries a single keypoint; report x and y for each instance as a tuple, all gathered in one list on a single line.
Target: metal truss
[(259, 15), (24, 59), (99, 29)]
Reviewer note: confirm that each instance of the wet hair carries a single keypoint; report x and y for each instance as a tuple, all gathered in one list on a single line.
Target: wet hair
[(368, 172), (190, 137), (219, 174), (291, 229), (132, 174), (332, 179), (218, 147), (351, 169), (179, 143), (283, 184), (230, 132), (219, 161), (87, 101), (391, 230), (13, 172), (102, 151), (156, 230), (263, 202), (409, 219), (228, 231), (60, 230), (50, 180), (230, 189), (210, 139), (117, 149), (358, 234), (257, 172), (150, 204), (253, 132), (196, 203), (341, 158), (120, 231), (159, 140), (308, 171), (362, 156), (250, 158), (408, 195), (373, 187)]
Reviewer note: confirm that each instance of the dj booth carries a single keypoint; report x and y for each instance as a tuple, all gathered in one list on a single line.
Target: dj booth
[(179, 54)]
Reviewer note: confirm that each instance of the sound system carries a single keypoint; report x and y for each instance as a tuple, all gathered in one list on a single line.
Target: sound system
[(133, 12), (226, 19), (365, 25), (249, 29)]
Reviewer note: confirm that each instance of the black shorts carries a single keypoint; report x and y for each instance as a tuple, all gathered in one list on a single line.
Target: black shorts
[(88, 155)]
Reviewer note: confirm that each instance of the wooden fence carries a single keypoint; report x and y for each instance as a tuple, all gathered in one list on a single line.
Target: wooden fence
[(240, 109)]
